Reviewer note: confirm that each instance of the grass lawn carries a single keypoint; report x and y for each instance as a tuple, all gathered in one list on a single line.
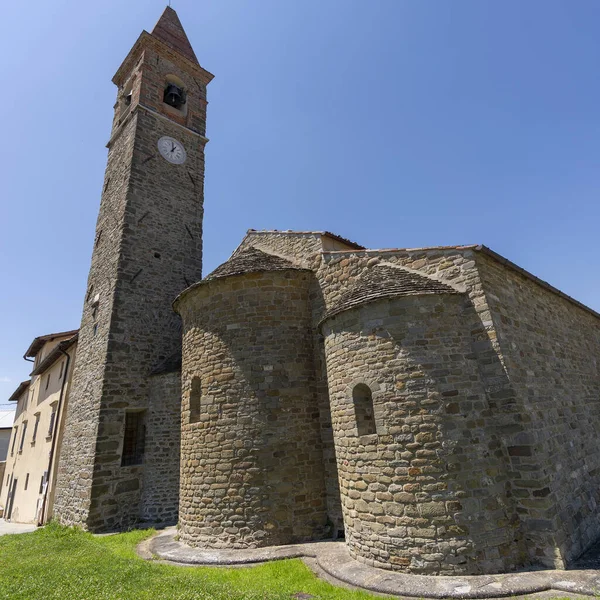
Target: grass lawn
[(68, 564)]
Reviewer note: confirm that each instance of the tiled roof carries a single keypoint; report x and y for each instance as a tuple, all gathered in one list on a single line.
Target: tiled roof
[(19, 391), (39, 341), (55, 354), (382, 281), (252, 260)]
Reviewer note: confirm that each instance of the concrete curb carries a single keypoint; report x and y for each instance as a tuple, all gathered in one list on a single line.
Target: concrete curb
[(334, 559)]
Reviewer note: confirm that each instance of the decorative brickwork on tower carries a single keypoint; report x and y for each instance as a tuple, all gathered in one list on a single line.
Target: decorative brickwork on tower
[(148, 248)]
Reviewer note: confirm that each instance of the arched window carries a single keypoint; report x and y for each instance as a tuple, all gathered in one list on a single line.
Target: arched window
[(195, 400), (363, 409), (174, 93)]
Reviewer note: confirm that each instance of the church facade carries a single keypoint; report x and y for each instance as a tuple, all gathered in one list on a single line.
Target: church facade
[(438, 408)]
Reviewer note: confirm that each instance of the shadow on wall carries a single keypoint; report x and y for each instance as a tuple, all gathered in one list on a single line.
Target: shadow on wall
[(255, 455), (429, 491)]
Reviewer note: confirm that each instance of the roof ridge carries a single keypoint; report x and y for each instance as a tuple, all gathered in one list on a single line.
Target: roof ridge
[(251, 260), (169, 30)]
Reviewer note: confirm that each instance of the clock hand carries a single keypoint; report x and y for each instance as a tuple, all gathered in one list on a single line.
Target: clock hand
[(172, 147)]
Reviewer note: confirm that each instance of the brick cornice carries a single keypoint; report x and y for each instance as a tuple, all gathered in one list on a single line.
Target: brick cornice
[(134, 110), (147, 40)]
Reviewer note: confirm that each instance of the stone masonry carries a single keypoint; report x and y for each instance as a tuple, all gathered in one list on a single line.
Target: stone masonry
[(252, 460), (148, 248), (437, 407)]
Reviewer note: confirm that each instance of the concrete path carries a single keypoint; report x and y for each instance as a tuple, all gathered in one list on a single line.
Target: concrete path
[(333, 559), (6, 528)]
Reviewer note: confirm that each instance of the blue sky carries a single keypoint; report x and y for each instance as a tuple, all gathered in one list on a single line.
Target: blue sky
[(394, 123)]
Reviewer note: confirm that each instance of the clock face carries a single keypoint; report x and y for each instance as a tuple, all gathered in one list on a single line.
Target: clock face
[(172, 150)]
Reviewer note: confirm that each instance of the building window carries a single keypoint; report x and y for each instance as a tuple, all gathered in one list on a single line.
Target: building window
[(195, 398), (363, 410), (12, 448), (27, 481), (52, 420), (35, 427), (47, 381), (134, 438), (23, 432), (43, 481), (62, 366)]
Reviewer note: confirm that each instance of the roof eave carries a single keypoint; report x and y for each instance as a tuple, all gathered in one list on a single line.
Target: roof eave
[(19, 391)]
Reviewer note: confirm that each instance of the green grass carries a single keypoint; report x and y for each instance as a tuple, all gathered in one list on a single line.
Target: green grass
[(68, 564)]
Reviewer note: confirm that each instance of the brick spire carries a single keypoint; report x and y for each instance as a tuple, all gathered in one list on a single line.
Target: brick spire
[(169, 30)]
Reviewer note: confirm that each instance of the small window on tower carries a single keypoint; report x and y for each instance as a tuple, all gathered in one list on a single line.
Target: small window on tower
[(134, 439), (363, 409), (125, 98)]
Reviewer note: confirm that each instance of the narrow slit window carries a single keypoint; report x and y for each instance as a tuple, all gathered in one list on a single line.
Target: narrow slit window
[(134, 439), (195, 400), (52, 420), (363, 409)]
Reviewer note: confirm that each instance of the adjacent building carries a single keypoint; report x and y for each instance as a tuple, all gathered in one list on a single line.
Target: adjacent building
[(6, 420), (27, 493)]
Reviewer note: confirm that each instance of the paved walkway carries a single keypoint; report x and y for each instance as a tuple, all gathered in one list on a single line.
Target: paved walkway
[(333, 558), (6, 528)]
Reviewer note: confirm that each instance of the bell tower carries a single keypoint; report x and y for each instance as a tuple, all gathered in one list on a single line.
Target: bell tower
[(147, 249)]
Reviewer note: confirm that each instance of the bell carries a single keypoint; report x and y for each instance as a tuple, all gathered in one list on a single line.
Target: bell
[(174, 96)]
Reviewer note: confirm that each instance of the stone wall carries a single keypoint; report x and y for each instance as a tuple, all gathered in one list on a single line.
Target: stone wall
[(427, 492), (160, 494), (304, 249), (252, 466), (78, 452), (551, 349), (148, 248)]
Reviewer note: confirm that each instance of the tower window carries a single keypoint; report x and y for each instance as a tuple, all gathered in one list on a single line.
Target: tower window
[(363, 409), (134, 440), (195, 400), (174, 94), (27, 481)]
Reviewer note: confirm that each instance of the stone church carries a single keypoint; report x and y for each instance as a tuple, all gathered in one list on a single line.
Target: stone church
[(436, 408)]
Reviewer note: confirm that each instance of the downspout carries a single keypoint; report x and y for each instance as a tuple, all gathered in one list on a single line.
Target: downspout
[(41, 520)]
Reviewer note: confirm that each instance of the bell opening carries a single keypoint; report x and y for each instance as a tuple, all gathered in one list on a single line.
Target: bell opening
[(174, 96)]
